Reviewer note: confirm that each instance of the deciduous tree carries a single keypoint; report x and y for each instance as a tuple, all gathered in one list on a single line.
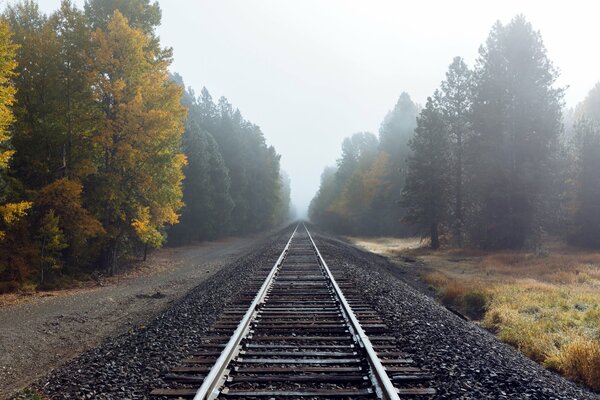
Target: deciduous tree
[(137, 189)]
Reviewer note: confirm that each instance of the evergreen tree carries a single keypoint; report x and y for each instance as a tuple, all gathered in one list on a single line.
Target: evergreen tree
[(585, 229), (455, 102), (76, 114), (283, 212), (516, 124), (585, 222), (37, 139), (396, 131), (141, 14), (320, 211), (427, 182), (590, 107)]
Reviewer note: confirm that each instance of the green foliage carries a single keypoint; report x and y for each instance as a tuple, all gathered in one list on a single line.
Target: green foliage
[(474, 304), (206, 188), (426, 190), (52, 242), (516, 124), (253, 167), (455, 103)]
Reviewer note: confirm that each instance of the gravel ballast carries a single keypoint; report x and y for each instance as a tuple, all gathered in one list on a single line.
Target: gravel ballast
[(467, 361), (130, 365)]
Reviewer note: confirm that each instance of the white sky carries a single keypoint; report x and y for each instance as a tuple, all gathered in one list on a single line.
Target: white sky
[(311, 72)]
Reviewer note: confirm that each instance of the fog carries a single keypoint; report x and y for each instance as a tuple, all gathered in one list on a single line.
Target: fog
[(310, 72)]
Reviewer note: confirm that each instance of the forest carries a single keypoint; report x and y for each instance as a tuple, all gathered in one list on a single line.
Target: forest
[(104, 154), (493, 160)]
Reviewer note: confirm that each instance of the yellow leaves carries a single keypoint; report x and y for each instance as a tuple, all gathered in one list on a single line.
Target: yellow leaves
[(5, 157), (7, 90), (143, 125), (145, 230), (12, 212)]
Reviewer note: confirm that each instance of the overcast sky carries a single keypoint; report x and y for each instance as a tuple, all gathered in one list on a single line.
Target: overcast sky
[(311, 72)]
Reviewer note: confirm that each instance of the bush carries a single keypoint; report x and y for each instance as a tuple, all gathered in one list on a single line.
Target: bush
[(474, 304)]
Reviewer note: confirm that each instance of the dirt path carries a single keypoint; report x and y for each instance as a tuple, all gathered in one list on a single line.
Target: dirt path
[(46, 331)]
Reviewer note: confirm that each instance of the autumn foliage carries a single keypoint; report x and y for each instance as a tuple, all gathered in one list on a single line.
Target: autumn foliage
[(92, 156)]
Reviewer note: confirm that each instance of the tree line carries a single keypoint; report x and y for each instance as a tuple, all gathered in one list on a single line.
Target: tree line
[(104, 154), (491, 161), (360, 195)]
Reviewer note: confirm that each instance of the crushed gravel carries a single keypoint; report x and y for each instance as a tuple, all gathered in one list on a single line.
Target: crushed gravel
[(128, 366), (467, 361)]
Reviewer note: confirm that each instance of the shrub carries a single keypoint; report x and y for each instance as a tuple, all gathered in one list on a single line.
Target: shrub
[(474, 304)]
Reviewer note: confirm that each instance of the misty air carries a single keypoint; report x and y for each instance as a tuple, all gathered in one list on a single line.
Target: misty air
[(309, 200)]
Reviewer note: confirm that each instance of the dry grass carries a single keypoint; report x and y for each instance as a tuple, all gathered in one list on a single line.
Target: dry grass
[(547, 306), (387, 245)]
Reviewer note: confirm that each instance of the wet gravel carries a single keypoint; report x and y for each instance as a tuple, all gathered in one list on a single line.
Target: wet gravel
[(130, 365), (467, 361)]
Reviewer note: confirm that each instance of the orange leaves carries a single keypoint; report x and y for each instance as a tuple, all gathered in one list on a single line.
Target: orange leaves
[(63, 197)]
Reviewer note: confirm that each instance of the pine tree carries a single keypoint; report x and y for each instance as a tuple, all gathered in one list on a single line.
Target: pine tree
[(427, 185), (396, 131), (585, 229), (455, 102), (585, 218), (52, 242), (37, 139), (141, 14), (516, 124), (75, 112)]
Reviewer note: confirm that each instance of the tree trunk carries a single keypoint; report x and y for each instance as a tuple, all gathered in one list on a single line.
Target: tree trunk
[(42, 262), (434, 234), (114, 257), (459, 184), (145, 251)]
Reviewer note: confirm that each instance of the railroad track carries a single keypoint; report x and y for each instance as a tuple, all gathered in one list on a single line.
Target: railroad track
[(305, 335)]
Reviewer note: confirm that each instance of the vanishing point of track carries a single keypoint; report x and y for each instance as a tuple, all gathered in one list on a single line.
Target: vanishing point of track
[(305, 335)]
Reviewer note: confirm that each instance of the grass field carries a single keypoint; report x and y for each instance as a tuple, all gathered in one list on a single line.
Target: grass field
[(547, 306)]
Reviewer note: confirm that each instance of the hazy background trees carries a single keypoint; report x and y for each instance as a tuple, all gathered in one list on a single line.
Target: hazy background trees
[(362, 194), (492, 163), (102, 153)]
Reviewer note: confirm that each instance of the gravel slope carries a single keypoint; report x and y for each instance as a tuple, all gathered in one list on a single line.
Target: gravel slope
[(467, 361), (129, 365)]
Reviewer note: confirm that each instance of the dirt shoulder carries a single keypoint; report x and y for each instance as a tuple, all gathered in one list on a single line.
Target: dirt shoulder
[(45, 331)]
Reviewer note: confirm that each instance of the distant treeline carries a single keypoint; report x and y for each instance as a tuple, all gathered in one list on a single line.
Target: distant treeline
[(489, 162), (103, 153)]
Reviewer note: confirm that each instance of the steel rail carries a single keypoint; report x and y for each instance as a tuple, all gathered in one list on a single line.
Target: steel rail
[(216, 377), (379, 376)]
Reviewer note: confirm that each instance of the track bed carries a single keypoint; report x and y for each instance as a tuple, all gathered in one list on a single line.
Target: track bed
[(298, 331)]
